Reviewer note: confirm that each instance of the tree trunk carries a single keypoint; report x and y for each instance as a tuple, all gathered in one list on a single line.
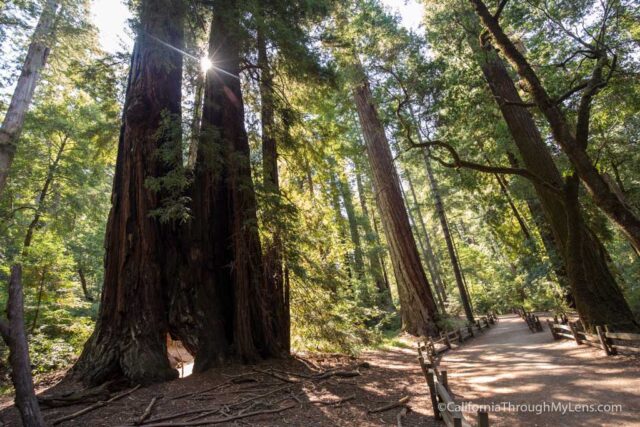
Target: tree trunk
[(273, 262), (15, 337), (232, 314), (347, 199), (414, 224), (130, 335), (376, 264), (573, 142), (34, 323), (521, 222), (442, 217), (432, 261), (546, 234), (83, 283), (334, 195), (603, 291), (418, 308), (23, 93), (195, 123), (53, 167)]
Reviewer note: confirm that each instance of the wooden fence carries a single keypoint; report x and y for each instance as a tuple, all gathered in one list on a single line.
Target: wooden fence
[(444, 406), (533, 322), (610, 342)]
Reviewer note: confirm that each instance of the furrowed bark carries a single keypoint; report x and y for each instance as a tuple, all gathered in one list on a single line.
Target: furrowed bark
[(23, 93), (233, 310), (130, 335), (418, 308)]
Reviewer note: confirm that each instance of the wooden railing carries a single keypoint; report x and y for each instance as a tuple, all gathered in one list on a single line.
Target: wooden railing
[(444, 406), (434, 348), (533, 322), (610, 342)]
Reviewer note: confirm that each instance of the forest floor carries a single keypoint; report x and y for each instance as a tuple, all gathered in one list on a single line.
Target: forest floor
[(504, 364)]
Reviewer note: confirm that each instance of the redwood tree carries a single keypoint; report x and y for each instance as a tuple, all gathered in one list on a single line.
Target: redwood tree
[(130, 335), (231, 315), (418, 308)]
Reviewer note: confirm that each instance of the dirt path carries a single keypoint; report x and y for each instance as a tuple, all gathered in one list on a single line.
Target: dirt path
[(510, 364)]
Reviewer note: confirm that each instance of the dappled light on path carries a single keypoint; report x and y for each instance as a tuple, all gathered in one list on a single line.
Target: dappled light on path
[(510, 366)]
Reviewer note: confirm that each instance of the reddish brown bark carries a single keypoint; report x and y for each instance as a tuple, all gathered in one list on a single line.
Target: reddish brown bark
[(418, 308), (273, 258), (130, 335), (231, 317)]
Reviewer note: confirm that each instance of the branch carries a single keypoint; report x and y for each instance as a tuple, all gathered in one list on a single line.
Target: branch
[(501, 6), (459, 163), (570, 92)]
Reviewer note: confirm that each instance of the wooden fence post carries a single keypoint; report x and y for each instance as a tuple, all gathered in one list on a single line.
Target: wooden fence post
[(483, 418), (575, 333), (446, 340), (538, 324), (603, 340), (553, 331), (432, 391), (460, 335), (611, 349), (445, 380), (457, 421)]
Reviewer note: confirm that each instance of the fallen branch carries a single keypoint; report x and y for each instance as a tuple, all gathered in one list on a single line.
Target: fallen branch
[(399, 402), (276, 375), (343, 374), (225, 419), (94, 406), (333, 402), (147, 412)]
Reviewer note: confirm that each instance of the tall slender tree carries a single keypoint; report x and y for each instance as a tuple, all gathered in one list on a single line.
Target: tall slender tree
[(417, 305), (34, 62)]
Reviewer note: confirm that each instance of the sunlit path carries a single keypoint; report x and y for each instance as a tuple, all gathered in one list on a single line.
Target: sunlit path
[(509, 365)]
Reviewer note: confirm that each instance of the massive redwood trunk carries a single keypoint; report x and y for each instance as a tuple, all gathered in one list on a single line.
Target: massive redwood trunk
[(23, 93), (599, 300), (232, 313), (130, 335), (418, 308)]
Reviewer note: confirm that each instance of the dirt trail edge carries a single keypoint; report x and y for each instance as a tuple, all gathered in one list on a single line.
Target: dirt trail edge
[(509, 366)]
